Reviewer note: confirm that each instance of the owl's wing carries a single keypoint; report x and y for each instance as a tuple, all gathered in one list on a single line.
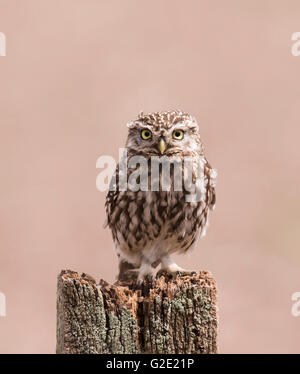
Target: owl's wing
[(111, 197), (211, 176)]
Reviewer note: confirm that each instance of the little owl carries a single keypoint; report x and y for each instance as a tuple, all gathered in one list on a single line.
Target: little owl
[(148, 225)]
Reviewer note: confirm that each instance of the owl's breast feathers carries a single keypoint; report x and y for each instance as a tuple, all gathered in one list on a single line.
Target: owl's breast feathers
[(138, 219)]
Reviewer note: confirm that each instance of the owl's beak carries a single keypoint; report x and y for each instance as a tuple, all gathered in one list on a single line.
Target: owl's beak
[(162, 146)]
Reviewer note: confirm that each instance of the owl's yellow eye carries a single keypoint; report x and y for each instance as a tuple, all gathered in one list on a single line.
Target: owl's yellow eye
[(178, 134), (146, 134)]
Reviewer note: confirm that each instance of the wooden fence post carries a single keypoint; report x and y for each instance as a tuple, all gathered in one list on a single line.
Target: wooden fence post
[(177, 315)]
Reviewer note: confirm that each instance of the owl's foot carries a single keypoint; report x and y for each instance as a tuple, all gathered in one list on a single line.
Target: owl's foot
[(171, 270), (143, 273)]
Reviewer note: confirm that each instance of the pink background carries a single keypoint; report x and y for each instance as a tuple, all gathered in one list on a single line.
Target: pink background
[(75, 72)]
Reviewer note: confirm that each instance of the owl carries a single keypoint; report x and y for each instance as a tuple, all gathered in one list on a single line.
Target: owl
[(148, 225)]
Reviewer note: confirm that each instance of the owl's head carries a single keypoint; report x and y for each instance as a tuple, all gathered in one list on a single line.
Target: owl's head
[(171, 133)]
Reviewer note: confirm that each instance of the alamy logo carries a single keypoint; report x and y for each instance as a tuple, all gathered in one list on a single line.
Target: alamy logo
[(296, 305), (137, 173), (296, 46), (2, 44), (2, 305)]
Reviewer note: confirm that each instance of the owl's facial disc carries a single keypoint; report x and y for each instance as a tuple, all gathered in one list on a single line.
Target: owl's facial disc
[(150, 137)]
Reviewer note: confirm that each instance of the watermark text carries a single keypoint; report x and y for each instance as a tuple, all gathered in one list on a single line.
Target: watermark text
[(296, 305), (2, 305), (296, 46), (137, 173), (2, 44)]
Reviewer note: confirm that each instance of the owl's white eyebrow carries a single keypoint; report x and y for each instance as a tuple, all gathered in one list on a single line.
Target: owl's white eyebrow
[(179, 126), (146, 126), (139, 125)]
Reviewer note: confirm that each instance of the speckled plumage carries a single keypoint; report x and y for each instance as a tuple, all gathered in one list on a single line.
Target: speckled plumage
[(148, 226)]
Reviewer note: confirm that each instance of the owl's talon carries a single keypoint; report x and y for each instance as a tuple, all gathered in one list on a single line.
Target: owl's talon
[(168, 274), (186, 273), (161, 273), (145, 273), (148, 278)]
